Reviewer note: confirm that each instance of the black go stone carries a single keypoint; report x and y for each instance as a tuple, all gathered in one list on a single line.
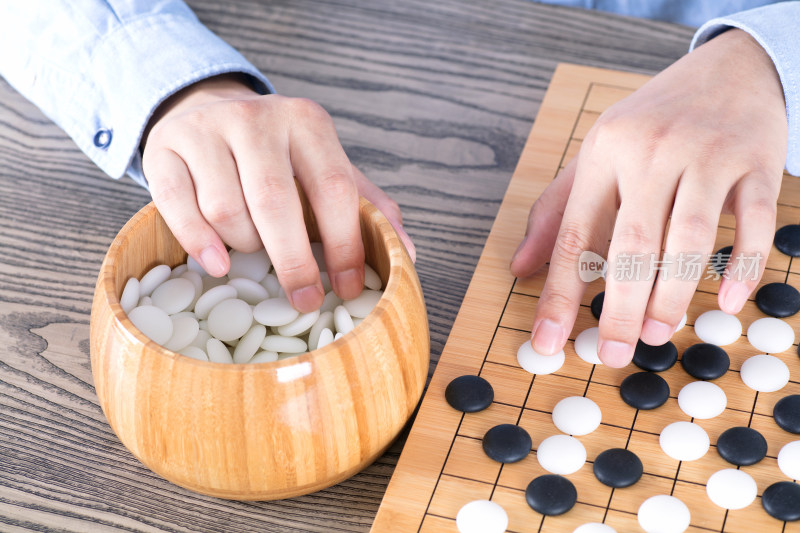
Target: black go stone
[(778, 299), (787, 413), (742, 446), (655, 358), (551, 495), (597, 304), (469, 394), (618, 468), (705, 361), (781, 500), (787, 240), (507, 443), (644, 390), (720, 259)]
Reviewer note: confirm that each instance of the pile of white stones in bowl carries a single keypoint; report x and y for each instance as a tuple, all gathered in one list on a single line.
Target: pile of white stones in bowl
[(243, 317)]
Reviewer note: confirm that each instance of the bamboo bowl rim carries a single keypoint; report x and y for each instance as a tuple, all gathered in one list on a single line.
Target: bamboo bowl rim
[(368, 214)]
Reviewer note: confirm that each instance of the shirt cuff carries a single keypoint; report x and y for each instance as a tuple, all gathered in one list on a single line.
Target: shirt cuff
[(136, 68), (775, 28)]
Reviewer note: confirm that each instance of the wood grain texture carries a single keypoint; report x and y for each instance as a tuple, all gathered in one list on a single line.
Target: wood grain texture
[(433, 101), (260, 431)]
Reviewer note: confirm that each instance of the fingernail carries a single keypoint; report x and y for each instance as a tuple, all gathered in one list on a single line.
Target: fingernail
[(736, 297), (212, 261), (615, 354), (307, 299), (519, 249), (656, 330), (548, 337), (350, 279)]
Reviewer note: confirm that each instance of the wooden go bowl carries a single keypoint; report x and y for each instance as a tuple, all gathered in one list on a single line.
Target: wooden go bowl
[(269, 430)]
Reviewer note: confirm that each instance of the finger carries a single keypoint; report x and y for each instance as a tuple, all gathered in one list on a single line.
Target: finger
[(387, 206), (755, 209), (274, 204), (635, 246), (173, 193), (690, 240), (543, 223), (586, 225), (219, 191), (326, 175)]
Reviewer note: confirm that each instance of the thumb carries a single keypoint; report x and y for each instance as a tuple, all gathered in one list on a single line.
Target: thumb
[(543, 223)]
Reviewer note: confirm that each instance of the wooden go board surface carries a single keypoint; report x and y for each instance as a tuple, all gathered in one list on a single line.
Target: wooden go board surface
[(443, 465)]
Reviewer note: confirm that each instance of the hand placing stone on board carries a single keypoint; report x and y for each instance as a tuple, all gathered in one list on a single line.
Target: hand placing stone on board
[(707, 135), (220, 160)]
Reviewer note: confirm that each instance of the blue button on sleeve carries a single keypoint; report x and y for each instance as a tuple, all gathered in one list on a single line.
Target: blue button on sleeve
[(776, 28)]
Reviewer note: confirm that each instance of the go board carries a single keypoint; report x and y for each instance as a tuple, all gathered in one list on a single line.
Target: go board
[(443, 465)]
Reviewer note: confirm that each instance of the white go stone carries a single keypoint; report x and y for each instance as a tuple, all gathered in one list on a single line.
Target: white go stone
[(594, 527), (154, 277), (576, 415), (201, 339), (204, 325), (282, 344), (249, 344), (218, 352), (684, 441), (481, 516), (194, 266), (681, 323), (338, 336), (586, 345), (789, 460), (664, 514), (361, 305), (144, 300), (254, 266), (299, 325), (536, 363), (325, 338), (702, 399), (371, 278), (197, 281), (153, 322), (342, 320), (174, 295), (211, 298), (184, 331), (195, 353), (264, 357), (561, 454), (230, 319), (271, 283), (325, 321), (764, 373), (770, 335), (331, 302), (718, 327), (731, 489), (248, 290), (130, 295), (275, 312), (179, 270), (183, 314)]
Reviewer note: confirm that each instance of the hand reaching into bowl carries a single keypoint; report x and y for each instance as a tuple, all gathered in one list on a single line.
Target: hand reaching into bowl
[(221, 159)]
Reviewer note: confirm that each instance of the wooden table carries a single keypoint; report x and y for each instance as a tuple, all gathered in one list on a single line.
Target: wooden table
[(432, 100)]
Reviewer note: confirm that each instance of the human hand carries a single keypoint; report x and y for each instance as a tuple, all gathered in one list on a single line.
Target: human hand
[(706, 135), (220, 160)]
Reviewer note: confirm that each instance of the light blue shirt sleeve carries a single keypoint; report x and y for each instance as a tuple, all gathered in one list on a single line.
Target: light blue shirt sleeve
[(777, 30), (100, 68)]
